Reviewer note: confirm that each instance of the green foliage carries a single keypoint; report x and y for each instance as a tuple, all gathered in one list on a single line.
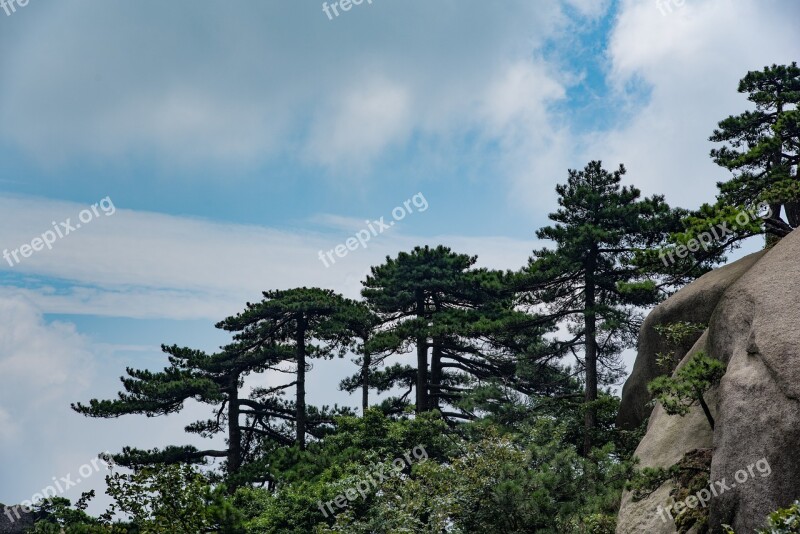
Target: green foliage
[(781, 521), (365, 440), (328, 468), (676, 334), (482, 479), (648, 479), (707, 234), (599, 274), (299, 325), (519, 483), (591, 524), (679, 331), (453, 315), (689, 475), (172, 499), (761, 146), (784, 520), (57, 516), (679, 393), (639, 293)]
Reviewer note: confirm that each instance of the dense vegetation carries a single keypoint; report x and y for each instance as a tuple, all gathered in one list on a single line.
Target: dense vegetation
[(500, 420)]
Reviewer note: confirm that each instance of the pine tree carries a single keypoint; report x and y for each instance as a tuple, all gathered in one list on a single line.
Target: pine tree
[(589, 281), (433, 299), (309, 321), (360, 320), (292, 326), (193, 375), (762, 147)]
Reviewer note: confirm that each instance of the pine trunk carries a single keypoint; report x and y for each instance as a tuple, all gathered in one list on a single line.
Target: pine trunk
[(590, 328), (301, 383), (365, 379), (422, 360), (422, 374), (234, 430)]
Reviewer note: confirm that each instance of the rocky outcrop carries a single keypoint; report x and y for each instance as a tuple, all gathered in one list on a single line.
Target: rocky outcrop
[(13, 520), (668, 439), (752, 308), (756, 331), (694, 303)]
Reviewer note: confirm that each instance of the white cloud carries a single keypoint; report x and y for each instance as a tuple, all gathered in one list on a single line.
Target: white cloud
[(42, 366), (691, 60), (148, 265), (46, 365), (110, 80), (361, 124), (519, 98), (535, 143), (38, 362)]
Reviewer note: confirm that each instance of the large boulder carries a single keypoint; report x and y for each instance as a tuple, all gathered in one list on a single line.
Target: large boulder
[(694, 303), (751, 308), (756, 331), (668, 439), (13, 520)]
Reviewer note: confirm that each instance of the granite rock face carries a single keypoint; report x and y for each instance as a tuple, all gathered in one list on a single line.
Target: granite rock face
[(752, 308), (13, 520), (756, 332), (694, 303), (668, 439)]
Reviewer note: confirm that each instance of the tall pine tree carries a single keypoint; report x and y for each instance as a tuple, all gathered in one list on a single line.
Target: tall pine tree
[(452, 313), (762, 147), (309, 321), (589, 281), (213, 379)]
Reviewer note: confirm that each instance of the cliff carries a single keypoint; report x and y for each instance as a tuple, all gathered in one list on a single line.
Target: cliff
[(752, 309)]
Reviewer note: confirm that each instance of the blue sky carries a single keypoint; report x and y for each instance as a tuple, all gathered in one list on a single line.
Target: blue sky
[(235, 141)]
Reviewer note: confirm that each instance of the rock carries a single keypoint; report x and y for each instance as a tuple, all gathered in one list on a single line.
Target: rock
[(756, 331), (668, 439), (642, 516), (693, 303), (751, 307), (14, 520)]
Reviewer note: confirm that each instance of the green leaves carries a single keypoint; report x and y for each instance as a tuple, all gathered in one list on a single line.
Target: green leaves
[(600, 272), (762, 147), (319, 314), (174, 499), (679, 393), (435, 300), (783, 521), (677, 335), (531, 481)]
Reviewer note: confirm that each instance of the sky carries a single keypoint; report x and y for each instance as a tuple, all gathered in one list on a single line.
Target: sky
[(163, 163)]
